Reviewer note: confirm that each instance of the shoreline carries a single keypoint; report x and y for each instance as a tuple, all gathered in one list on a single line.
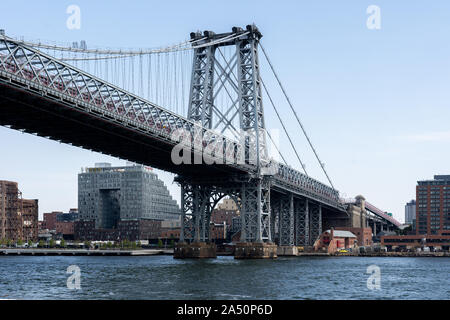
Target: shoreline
[(83, 252), (169, 252)]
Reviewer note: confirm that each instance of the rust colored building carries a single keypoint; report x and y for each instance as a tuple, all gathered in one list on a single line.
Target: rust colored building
[(66, 229), (218, 231), (171, 234), (363, 235), (18, 217), (433, 206), (223, 215), (417, 241), (30, 214), (50, 220), (334, 240), (10, 214)]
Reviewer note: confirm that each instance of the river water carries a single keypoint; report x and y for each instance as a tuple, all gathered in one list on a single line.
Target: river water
[(162, 277)]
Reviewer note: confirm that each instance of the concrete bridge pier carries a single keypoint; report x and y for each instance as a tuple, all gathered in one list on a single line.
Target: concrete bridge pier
[(255, 250), (195, 250), (287, 251)]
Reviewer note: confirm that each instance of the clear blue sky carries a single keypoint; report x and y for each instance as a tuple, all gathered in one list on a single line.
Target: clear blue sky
[(375, 102)]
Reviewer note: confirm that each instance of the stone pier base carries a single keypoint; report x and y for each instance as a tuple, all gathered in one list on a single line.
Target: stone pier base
[(255, 250), (287, 251), (195, 250)]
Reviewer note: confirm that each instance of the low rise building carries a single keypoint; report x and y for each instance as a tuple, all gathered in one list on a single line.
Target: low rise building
[(50, 219), (173, 234), (332, 241), (416, 241), (363, 235), (60, 223)]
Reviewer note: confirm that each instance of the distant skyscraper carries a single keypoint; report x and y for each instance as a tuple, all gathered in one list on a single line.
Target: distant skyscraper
[(433, 206), (410, 212), (111, 194)]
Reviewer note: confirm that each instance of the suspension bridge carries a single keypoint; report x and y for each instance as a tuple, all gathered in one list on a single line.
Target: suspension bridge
[(203, 95)]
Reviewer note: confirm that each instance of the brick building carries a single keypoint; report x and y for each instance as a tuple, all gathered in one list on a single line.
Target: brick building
[(171, 234), (363, 235), (417, 241), (335, 240), (223, 215), (218, 231), (30, 214), (65, 229), (50, 219), (62, 223), (228, 205), (433, 206), (18, 217)]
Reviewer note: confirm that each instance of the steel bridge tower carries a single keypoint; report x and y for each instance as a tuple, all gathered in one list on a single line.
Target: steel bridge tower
[(251, 192)]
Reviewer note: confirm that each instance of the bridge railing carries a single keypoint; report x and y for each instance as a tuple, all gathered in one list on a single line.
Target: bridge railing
[(300, 180), (370, 207), (36, 67)]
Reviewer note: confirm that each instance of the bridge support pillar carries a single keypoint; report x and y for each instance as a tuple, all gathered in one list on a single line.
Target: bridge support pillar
[(286, 220), (195, 250), (255, 250), (287, 251), (315, 220), (301, 210)]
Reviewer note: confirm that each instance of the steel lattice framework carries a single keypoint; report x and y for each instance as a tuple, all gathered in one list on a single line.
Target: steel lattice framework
[(302, 222), (38, 72)]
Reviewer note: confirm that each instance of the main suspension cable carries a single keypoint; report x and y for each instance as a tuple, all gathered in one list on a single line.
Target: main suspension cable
[(296, 116)]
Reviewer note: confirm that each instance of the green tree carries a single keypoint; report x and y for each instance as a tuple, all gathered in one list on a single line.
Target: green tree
[(139, 244), (52, 243), (63, 243), (87, 244), (41, 244), (160, 243), (19, 242), (30, 243), (172, 243), (133, 245), (109, 245)]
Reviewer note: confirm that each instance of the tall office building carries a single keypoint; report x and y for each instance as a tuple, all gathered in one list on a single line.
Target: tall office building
[(410, 213), (433, 206), (111, 194)]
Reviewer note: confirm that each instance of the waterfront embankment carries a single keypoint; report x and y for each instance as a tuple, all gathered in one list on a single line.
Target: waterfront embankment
[(84, 252)]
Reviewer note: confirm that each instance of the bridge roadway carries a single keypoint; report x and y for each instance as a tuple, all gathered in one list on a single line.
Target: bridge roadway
[(43, 96)]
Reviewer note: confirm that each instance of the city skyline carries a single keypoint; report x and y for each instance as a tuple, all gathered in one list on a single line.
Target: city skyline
[(378, 143)]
